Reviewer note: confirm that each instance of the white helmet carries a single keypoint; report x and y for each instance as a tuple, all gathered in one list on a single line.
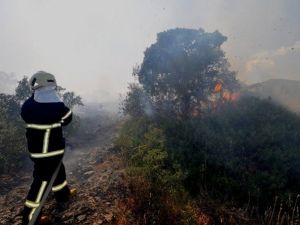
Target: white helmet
[(42, 79)]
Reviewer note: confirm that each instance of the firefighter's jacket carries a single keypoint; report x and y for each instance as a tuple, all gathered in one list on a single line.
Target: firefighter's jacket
[(44, 123)]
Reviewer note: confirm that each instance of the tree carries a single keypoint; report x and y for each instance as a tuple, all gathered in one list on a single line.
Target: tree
[(9, 107), (71, 100), (23, 90), (137, 103), (180, 70), (12, 138)]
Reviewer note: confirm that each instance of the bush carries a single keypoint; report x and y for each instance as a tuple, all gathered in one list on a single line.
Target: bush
[(234, 150), (156, 179), (12, 139), (245, 147)]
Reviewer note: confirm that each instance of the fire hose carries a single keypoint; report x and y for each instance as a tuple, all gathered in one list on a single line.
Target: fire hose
[(43, 200)]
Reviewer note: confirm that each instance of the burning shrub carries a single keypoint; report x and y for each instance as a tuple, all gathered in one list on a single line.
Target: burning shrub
[(187, 115), (248, 147)]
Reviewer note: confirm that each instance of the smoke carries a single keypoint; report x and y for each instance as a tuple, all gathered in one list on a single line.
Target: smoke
[(147, 105), (98, 42), (8, 82), (281, 62), (267, 58)]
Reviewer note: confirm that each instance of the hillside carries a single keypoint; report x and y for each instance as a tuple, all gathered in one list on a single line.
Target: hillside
[(282, 91)]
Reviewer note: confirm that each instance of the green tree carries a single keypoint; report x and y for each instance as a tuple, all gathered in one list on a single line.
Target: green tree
[(12, 138), (9, 107), (137, 102), (23, 90), (71, 99), (180, 70)]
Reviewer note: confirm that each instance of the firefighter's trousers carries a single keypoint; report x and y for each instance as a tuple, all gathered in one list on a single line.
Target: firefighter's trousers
[(44, 169)]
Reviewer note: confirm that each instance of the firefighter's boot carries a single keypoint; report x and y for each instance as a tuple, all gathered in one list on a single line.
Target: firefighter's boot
[(63, 203), (73, 192)]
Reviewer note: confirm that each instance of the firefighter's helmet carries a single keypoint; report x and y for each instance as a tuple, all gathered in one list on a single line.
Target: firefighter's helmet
[(42, 79)]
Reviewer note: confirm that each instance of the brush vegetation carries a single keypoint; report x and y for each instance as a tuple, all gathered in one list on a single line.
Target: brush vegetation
[(194, 158)]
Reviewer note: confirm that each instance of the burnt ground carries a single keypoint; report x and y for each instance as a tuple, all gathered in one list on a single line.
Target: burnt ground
[(97, 173)]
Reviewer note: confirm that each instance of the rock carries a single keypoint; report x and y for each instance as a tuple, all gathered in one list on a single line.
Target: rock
[(108, 217), (98, 222), (81, 217), (89, 173)]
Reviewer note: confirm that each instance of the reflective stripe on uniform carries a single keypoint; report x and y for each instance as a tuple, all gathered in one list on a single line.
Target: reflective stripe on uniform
[(46, 141), (67, 115), (38, 198), (31, 214), (47, 129), (60, 186), (48, 154), (41, 191), (31, 204), (43, 126)]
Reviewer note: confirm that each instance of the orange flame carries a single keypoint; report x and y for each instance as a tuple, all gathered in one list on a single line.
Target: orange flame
[(218, 88), (225, 94), (228, 96), (235, 96)]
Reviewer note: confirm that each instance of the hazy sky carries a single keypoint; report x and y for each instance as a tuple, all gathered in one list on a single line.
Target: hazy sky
[(92, 45)]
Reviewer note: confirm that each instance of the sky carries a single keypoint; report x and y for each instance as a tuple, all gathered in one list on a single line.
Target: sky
[(91, 46)]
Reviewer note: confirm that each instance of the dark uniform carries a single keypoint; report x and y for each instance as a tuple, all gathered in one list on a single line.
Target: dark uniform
[(46, 146)]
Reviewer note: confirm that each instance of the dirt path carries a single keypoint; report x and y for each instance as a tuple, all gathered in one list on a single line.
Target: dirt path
[(97, 173)]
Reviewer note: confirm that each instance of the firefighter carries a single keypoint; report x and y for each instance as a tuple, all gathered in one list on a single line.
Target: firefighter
[(45, 115)]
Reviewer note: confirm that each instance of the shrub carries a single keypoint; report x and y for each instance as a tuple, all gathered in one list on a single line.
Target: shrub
[(246, 147), (155, 177)]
